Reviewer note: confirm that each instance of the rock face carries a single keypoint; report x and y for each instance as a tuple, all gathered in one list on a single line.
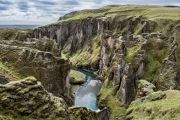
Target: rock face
[(52, 71), (170, 75), (80, 113), (16, 34), (127, 88), (28, 98)]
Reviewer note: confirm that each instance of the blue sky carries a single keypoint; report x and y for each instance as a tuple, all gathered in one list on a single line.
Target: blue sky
[(47, 11)]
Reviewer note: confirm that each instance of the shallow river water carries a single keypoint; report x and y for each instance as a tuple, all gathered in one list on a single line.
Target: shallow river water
[(86, 93)]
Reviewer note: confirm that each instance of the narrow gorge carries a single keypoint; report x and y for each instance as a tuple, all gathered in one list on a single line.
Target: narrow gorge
[(131, 53)]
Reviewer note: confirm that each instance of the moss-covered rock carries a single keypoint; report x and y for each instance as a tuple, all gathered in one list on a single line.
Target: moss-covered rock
[(52, 71), (77, 77), (16, 34), (144, 88), (28, 98), (82, 113)]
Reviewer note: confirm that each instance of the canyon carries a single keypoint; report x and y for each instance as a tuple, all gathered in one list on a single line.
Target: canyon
[(132, 49)]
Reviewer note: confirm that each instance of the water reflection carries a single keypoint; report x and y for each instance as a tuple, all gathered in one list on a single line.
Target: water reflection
[(86, 94)]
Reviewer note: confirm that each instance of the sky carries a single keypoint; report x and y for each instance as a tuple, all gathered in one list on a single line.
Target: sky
[(40, 12)]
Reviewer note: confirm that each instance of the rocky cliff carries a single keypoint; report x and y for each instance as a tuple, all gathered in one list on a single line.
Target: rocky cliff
[(19, 60), (122, 44)]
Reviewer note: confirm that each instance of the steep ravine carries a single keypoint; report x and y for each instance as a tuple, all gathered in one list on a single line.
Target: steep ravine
[(131, 49)]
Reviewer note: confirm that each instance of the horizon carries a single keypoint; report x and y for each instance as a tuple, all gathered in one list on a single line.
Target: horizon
[(42, 12)]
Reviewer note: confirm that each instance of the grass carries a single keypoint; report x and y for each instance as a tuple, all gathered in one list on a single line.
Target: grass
[(113, 104), (131, 51), (151, 12), (116, 108), (9, 73), (94, 37), (63, 55), (84, 57), (164, 109)]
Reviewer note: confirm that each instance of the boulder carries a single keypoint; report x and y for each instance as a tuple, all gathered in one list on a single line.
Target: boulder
[(144, 88), (28, 98), (77, 77)]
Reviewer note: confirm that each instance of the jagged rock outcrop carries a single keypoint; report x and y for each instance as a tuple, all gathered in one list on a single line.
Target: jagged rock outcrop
[(28, 98), (127, 88), (16, 34), (169, 77), (157, 105), (80, 113), (144, 88)]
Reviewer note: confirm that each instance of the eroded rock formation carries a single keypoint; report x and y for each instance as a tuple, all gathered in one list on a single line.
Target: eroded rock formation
[(28, 98)]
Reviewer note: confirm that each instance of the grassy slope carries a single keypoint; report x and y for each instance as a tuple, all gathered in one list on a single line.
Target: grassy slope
[(165, 109), (151, 12)]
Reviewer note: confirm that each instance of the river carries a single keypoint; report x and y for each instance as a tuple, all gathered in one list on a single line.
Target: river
[(87, 92)]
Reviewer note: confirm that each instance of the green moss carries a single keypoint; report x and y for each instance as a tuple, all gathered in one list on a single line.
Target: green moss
[(88, 58), (117, 109), (131, 51), (77, 77), (154, 59), (94, 37), (63, 55), (165, 109), (107, 98)]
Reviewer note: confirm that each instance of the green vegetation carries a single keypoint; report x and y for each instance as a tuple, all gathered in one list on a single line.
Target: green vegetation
[(94, 37), (154, 59), (165, 109), (86, 58), (131, 51), (108, 98), (151, 12), (77, 77)]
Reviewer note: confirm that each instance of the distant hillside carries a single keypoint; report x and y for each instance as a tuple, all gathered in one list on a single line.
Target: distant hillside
[(153, 12)]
